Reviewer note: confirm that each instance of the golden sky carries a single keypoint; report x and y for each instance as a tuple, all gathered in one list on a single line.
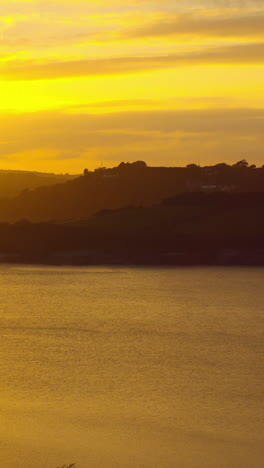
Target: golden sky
[(85, 83)]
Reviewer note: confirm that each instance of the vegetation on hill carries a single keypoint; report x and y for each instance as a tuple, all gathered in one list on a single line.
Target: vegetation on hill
[(127, 185), (141, 215), (72, 465), (190, 228)]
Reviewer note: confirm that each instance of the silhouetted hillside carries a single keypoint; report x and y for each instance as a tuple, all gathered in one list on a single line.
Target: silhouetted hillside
[(127, 185), (191, 228), (12, 183)]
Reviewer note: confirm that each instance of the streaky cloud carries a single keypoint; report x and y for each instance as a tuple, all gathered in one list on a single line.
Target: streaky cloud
[(17, 70), (202, 24)]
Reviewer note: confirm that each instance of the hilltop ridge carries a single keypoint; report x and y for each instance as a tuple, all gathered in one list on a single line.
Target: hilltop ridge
[(128, 184), (13, 182)]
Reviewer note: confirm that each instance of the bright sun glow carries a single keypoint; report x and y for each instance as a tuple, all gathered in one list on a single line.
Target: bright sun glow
[(96, 58)]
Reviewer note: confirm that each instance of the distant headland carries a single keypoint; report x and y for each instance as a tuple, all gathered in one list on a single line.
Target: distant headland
[(135, 214)]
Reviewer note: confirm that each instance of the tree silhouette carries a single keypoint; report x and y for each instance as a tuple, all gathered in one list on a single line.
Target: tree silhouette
[(241, 164), (192, 166), (72, 465)]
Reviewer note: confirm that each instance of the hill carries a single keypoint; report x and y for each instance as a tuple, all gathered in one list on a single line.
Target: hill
[(127, 185), (191, 228), (12, 183)]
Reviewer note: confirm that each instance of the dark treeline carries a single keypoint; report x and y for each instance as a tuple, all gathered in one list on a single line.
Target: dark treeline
[(189, 228), (128, 184)]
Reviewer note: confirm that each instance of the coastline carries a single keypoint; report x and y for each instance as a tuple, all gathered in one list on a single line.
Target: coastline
[(173, 260)]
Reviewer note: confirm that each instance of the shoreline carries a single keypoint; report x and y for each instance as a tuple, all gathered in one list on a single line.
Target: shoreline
[(199, 260)]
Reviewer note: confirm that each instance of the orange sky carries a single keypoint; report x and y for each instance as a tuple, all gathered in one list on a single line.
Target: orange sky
[(170, 82)]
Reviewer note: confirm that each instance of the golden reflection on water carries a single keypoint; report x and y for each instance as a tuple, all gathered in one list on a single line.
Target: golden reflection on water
[(127, 367)]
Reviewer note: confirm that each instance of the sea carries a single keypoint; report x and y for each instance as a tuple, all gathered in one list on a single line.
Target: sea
[(128, 367)]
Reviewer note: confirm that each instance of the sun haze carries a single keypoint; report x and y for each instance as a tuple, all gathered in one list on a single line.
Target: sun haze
[(166, 81)]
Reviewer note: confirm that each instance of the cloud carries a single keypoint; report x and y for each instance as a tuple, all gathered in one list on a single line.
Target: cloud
[(79, 7), (42, 41), (252, 54), (163, 137), (60, 123), (49, 21), (202, 24)]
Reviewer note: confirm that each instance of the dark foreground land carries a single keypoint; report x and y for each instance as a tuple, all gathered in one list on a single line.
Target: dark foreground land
[(192, 228)]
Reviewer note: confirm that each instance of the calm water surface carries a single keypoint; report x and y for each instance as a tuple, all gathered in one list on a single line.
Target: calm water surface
[(131, 368)]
